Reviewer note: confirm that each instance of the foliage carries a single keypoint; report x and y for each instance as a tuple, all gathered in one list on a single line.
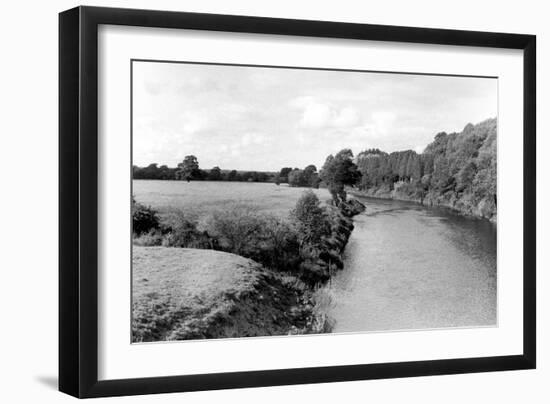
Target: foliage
[(215, 174), (153, 172), (339, 171), (151, 238), (310, 218), (283, 174), (307, 177), (454, 167), (278, 245), (181, 231), (236, 228), (188, 169), (243, 230), (144, 218), (307, 243)]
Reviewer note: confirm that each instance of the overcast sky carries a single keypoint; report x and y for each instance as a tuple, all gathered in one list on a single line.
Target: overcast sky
[(251, 118)]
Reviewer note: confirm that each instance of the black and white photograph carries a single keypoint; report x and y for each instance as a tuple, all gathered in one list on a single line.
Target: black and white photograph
[(280, 201)]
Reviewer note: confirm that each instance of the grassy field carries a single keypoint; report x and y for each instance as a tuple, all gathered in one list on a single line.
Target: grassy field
[(181, 293), (187, 293), (201, 197)]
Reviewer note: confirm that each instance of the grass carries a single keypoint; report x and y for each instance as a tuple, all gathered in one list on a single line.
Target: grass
[(198, 198), (188, 293), (181, 293)]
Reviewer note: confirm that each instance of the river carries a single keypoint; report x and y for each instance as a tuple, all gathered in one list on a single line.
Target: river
[(413, 267)]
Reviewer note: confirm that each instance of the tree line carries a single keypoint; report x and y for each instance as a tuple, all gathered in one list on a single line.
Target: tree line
[(189, 170), (458, 170), (454, 169)]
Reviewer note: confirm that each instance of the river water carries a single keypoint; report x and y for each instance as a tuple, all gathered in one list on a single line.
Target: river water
[(413, 267)]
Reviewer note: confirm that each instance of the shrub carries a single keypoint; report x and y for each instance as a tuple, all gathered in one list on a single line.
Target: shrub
[(309, 244), (278, 245), (237, 228), (243, 230), (181, 231), (144, 218), (151, 238), (310, 218)]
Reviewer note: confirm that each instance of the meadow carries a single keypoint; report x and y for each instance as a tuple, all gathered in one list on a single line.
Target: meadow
[(239, 270), (202, 197)]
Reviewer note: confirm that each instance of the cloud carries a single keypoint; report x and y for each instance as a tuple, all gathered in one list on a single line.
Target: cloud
[(266, 118), (383, 122), (316, 115), (319, 114), (346, 117), (252, 139)]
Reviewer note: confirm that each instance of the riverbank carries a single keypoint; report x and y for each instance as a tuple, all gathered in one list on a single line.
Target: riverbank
[(484, 209), (326, 256), (184, 293), (191, 293)]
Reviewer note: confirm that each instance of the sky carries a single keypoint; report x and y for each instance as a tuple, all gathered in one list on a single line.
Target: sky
[(263, 119)]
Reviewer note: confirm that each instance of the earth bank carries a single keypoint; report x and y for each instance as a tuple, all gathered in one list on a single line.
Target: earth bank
[(187, 293)]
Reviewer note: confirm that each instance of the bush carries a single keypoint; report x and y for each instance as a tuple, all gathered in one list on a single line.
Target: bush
[(144, 218), (181, 230), (151, 238), (310, 218), (243, 230), (236, 228), (351, 207), (309, 244), (278, 246)]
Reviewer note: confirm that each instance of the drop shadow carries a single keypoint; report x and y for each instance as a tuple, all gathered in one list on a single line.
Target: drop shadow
[(48, 381)]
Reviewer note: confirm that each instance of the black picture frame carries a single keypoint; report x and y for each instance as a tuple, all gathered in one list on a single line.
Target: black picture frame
[(78, 201)]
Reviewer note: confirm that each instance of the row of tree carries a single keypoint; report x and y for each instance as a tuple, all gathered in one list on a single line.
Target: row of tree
[(454, 166), (308, 177), (337, 172), (456, 169), (188, 170)]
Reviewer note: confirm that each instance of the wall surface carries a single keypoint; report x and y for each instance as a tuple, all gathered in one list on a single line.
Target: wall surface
[(28, 159)]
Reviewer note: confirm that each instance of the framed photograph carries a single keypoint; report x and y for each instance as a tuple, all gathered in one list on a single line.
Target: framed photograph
[(251, 201)]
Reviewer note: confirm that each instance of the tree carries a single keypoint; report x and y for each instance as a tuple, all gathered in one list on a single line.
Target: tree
[(310, 176), (283, 175), (307, 177), (310, 218), (295, 178), (465, 177), (144, 218), (232, 175), (339, 171), (188, 169), (215, 174), (414, 168)]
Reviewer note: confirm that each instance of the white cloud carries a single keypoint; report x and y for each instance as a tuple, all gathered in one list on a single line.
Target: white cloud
[(266, 118), (318, 114), (252, 139), (346, 117), (383, 122)]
